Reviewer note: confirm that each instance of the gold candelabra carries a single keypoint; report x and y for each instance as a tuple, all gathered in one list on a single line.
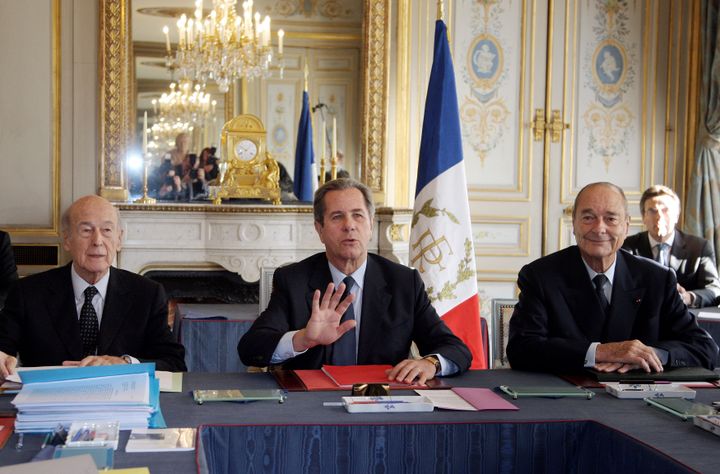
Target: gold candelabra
[(145, 199)]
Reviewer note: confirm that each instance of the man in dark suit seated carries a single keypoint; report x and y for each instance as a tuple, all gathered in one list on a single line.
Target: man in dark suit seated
[(8, 270), (387, 306), (691, 257), (87, 312), (594, 305)]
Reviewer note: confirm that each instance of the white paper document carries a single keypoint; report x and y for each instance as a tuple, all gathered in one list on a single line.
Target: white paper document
[(446, 399), (118, 389)]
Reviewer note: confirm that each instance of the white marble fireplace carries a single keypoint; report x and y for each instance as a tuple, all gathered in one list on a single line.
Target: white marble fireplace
[(240, 238)]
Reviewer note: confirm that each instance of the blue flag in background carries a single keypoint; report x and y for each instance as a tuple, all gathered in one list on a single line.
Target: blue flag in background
[(305, 178)]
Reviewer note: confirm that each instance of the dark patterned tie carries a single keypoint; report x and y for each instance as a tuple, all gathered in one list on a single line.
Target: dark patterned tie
[(89, 323), (343, 350), (599, 282)]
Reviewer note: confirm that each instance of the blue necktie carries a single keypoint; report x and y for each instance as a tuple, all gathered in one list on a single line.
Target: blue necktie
[(661, 254), (343, 350), (89, 323)]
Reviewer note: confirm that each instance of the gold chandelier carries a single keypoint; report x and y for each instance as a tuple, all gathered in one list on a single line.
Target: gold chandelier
[(184, 103), (224, 46), (179, 111)]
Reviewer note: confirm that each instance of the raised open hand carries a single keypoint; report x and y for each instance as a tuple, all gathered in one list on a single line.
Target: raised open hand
[(324, 326)]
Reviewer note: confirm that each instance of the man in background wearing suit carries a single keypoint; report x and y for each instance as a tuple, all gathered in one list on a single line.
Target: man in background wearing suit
[(594, 305), (387, 306), (8, 270), (87, 312), (691, 257)]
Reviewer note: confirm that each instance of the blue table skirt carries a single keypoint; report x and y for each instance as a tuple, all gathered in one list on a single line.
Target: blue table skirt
[(211, 345), (573, 446)]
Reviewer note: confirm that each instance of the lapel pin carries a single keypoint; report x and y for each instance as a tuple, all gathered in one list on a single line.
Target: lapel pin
[(638, 301)]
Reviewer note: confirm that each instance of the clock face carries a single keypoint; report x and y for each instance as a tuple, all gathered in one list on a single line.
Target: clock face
[(246, 149)]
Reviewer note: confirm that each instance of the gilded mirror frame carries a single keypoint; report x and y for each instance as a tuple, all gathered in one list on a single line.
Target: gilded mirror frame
[(115, 87)]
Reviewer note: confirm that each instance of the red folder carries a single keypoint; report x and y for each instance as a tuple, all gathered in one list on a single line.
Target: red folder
[(6, 429), (334, 377)]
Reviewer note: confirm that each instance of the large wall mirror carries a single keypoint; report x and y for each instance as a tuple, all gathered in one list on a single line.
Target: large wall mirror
[(341, 43)]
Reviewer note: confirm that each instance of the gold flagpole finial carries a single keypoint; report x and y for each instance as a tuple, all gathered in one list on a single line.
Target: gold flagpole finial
[(306, 75), (440, 10)]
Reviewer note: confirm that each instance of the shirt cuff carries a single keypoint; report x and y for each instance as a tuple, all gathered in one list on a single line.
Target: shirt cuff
[(590, 355), (447, 367), (284, 350), (662, 354)]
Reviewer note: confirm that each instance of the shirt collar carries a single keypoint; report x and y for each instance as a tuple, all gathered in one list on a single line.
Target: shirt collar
[(358, 275), (654, 243), (609, 273), (79, 285)]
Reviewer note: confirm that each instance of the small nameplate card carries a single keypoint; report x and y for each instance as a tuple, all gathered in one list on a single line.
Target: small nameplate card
[(390, 404)]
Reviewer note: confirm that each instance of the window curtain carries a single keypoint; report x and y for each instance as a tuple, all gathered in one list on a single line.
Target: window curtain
[(702, 206)]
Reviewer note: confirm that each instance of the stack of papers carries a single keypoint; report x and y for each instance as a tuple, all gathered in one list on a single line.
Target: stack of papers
[(125, 393)]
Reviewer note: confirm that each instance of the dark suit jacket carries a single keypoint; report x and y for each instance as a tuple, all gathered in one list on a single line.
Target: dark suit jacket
[(558, 314), (8, 271), (40, 321), (395, 311), (693, 260)]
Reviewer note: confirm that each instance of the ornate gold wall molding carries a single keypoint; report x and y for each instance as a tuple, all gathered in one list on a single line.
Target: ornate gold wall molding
[(375, 75), (114, 83), (54, 229), (115, 88)]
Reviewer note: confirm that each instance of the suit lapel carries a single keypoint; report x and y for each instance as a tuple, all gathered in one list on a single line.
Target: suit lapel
[(678, 251), (114, 311), (60, 302), (375, 303), (644, 249), (626, 299)]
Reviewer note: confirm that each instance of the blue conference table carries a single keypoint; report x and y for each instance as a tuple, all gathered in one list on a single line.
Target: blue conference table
[(604, 434)]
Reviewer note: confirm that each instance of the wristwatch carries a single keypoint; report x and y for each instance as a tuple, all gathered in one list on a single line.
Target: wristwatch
[(435, 361), (126, 358)]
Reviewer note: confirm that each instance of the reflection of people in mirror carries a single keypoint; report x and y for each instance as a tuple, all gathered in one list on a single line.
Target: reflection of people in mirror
[(198, 172), (170, 171)]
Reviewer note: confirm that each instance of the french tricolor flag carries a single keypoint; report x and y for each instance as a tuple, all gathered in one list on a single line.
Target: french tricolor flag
[(441, 245)]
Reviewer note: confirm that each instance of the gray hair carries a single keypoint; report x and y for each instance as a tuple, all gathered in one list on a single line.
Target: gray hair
[(340, 185), (65, 224), (606, 184)]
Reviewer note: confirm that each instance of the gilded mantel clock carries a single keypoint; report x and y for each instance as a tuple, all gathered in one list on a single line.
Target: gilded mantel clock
[(251, 172)]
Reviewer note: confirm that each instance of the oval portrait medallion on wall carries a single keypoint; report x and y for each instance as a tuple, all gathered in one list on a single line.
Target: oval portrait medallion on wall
[(609, 70), (485, 61)]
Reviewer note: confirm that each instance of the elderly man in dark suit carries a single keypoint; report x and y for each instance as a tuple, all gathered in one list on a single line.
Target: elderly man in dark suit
[(87, 312), (594, 305), (386, 307), (691, 257), (8, 270)]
